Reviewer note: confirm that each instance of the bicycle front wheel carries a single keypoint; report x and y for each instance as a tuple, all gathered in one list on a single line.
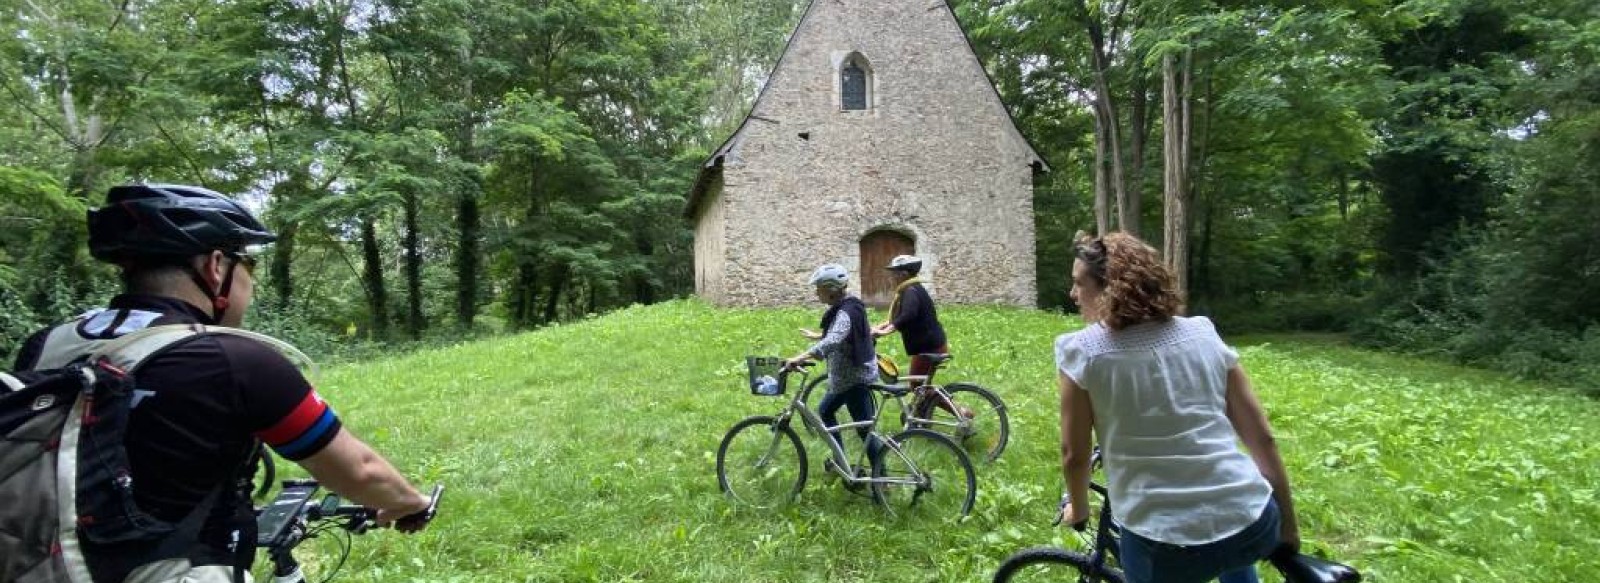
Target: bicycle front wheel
[(974, 417), (927, 475), (1051, 564), (761, 463)]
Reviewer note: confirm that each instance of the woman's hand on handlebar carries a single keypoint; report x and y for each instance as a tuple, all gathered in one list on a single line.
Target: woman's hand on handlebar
[(1076, 515), (798, 362)]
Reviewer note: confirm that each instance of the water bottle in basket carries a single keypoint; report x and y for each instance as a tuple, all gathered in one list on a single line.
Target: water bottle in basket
[(764, 375), (768, 386)]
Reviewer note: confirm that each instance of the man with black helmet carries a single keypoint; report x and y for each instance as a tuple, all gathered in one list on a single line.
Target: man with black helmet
[(185, 256)]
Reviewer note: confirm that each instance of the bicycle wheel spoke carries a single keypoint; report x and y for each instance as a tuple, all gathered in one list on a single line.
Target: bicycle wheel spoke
[(927, 475), (760, 464)]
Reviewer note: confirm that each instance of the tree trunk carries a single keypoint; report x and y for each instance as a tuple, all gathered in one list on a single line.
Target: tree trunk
[(1196, 174), (1127, 209), (282, 261), (644, 292), (415, 321), (558, 283), (523, 296), (83, 183), (1175, 133), (1109, 137), (1102, 197), (1342, 186), (372, 272), (1203, 256), (467, 213), (1139, 122), (469, 230), (593, 299)]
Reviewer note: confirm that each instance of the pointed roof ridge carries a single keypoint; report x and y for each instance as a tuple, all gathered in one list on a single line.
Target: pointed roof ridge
[(713, 163)]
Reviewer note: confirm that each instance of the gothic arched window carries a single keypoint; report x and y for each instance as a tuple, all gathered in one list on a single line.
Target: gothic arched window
[(854, 84)]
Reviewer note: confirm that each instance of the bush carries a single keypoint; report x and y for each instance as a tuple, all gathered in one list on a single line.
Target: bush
[(1288, 312)]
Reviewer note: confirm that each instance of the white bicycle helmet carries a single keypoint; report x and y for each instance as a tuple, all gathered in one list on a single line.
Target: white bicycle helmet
[(831, 275), (905, 263)]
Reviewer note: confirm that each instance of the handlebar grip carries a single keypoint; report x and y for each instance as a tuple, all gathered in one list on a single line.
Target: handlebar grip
[(1061, 511), (416, 521)]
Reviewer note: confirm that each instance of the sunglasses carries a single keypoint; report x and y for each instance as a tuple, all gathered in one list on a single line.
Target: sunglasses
[(1090, 250), (245, 259)]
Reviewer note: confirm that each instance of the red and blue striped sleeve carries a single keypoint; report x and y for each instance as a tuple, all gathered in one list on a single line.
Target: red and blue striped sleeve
[(304, 431)]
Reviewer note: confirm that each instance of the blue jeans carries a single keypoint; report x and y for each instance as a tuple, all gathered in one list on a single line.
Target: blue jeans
[(858, 399), (1231, 560)]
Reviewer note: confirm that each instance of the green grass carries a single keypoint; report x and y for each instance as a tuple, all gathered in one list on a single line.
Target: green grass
[(586, 452)]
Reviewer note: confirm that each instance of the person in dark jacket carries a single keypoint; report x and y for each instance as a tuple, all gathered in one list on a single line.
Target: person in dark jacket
[(912, 315), (846, 342)]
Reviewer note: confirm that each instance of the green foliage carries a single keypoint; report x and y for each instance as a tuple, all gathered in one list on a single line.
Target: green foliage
[(586, 452), (1517, 294), (527, 163)]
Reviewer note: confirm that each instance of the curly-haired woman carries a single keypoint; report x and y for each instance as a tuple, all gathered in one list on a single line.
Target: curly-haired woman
[(1168, 401)]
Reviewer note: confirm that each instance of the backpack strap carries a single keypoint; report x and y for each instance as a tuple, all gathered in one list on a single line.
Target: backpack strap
[(126, 352)]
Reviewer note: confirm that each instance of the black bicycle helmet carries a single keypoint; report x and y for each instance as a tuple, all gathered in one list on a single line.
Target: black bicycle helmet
[(168, 221)]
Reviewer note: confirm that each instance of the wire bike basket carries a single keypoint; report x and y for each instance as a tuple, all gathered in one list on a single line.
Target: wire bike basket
[(764, 379)]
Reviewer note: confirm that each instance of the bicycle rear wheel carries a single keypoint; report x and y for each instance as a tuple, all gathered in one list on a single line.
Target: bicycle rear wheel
[(760, 463), (1051, 564), (977, 422), (929, 475)]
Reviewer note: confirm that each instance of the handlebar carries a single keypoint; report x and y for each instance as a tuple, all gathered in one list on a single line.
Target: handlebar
[(292, 518), (789, 367)]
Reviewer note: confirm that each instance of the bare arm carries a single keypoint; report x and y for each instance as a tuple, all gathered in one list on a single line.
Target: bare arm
[(1077, 424), (1250, 421), (351, 468)]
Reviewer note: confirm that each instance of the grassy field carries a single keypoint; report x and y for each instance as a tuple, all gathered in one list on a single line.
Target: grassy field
[(586, 452)]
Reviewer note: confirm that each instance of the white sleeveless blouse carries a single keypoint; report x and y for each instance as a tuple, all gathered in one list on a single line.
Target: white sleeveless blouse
[(1159, 394)]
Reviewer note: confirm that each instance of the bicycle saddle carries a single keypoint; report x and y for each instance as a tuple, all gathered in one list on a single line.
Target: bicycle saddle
[(1299, 568), (936, 358)]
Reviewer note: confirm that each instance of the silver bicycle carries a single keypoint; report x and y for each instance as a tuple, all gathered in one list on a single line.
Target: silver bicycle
[(762, 462)]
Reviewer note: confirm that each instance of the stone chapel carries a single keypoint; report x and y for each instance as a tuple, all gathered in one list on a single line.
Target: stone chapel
[(878, 133)]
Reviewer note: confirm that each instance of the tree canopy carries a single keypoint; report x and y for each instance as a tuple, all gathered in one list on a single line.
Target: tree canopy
[(1420, 173)]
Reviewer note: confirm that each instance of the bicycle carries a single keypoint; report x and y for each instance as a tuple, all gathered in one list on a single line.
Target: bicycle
[(1059, 564), (762, 463), (291, 519), (983, 432)]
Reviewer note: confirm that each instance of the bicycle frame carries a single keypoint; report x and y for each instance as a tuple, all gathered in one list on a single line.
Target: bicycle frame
[(924, 396), (814, 425), (1105, 537)]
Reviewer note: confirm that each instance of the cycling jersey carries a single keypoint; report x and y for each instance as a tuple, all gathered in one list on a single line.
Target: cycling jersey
[(198, 410)]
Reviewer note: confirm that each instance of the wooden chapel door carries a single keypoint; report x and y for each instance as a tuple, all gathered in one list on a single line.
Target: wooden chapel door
[(877, 248)]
